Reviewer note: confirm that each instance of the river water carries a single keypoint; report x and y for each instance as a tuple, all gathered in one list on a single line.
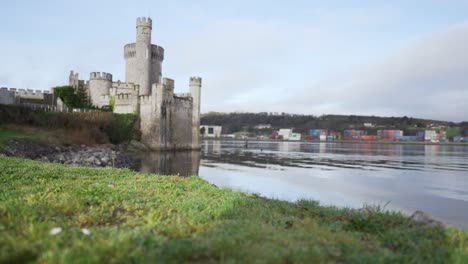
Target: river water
[(431, 178)]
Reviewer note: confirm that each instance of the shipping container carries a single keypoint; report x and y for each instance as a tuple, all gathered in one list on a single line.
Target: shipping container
[(409, 138), (389, 134), (369, 138)]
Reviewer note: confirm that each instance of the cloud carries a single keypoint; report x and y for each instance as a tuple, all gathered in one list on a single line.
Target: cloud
[(428, 78), (239, 60), (246, 66)]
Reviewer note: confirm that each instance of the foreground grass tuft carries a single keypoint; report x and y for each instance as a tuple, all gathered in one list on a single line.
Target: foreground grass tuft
[(140, 218)]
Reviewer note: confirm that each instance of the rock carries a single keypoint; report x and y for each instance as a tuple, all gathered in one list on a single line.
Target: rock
[(96, 161), (102, 155), (137, 145), (423, 219)]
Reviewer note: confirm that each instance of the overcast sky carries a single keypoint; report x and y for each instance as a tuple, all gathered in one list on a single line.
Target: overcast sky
[(388, 58)]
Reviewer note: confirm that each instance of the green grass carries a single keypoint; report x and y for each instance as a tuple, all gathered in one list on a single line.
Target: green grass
[(141, 218), (7, 134)]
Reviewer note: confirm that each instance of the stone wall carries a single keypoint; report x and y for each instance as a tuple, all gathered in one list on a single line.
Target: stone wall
[(22, 96), (30, 94), (157, 57), (195, 92), (149, 121), (130, 62), (125, 104), (7, 97), (181, 129)]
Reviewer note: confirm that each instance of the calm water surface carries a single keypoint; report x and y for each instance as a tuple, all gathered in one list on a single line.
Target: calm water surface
[(433, 178)]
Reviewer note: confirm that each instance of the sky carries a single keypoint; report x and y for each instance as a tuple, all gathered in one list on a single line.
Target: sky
[(383, 58)]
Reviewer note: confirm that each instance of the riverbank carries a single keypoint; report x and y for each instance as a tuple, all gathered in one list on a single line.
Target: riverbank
[(53, 213), (51, 146), (342, 141)]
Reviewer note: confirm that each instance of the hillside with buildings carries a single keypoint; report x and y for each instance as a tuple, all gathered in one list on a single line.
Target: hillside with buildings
[(336, 126)]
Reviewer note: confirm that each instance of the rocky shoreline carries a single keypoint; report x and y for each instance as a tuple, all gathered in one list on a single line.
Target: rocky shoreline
[(78, 155)]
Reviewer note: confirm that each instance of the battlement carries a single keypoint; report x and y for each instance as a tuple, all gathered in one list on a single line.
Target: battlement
[(105, 98), (73, 75), (144, 22), (183, 95), (100, 76), (195, 81), (25, 93), (123, 85), (157, 52), (123, 97), (145, 99), (130, 50), (168, 83)]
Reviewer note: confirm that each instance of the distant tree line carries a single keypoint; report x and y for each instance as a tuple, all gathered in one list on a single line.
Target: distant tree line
[(235, 122)]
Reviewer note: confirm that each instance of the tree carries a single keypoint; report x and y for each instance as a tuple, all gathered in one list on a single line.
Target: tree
[(82, 96)]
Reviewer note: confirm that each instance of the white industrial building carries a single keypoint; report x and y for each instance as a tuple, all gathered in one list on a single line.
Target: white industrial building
[(211, 131)]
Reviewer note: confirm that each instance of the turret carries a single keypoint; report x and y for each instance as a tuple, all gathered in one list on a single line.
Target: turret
[(195, 90), (99, 84), (143, 54), (73, 80), (143, 60)]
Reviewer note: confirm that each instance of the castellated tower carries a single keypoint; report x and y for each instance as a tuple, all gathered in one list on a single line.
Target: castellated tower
[(99, 84), (143, 60), (195, 92), (167, 121)]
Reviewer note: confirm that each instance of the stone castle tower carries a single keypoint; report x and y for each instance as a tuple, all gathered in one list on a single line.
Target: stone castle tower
[(143, 59), (167, 121)]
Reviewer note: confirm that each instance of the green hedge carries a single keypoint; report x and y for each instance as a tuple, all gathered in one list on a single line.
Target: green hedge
[(103, 126), (121, 127)]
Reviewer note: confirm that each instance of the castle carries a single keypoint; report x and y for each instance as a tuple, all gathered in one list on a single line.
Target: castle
[(167, 121)]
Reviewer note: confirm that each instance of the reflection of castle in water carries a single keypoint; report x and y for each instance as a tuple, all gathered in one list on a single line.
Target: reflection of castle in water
[(183, 163)]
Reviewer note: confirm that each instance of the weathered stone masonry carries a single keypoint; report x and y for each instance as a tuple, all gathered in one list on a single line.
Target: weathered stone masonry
[(168, 121)]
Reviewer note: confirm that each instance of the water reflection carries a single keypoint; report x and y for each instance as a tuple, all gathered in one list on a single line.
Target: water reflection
[(432, 178), (333, 156), (183, 163)]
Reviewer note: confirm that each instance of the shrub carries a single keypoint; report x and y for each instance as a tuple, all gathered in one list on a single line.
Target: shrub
[(121, 127), (92, 127)]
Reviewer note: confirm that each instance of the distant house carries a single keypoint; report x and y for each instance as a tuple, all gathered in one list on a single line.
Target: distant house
[(295, 136), (285, 133), (211, 131), (369, 125), (431, 135), (263, 126)]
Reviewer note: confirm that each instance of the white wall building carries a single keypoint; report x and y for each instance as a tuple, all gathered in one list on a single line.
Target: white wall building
[(430, 135), (288, 134), (285, 133), (295, 136), (263, 126), (211, 131)]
